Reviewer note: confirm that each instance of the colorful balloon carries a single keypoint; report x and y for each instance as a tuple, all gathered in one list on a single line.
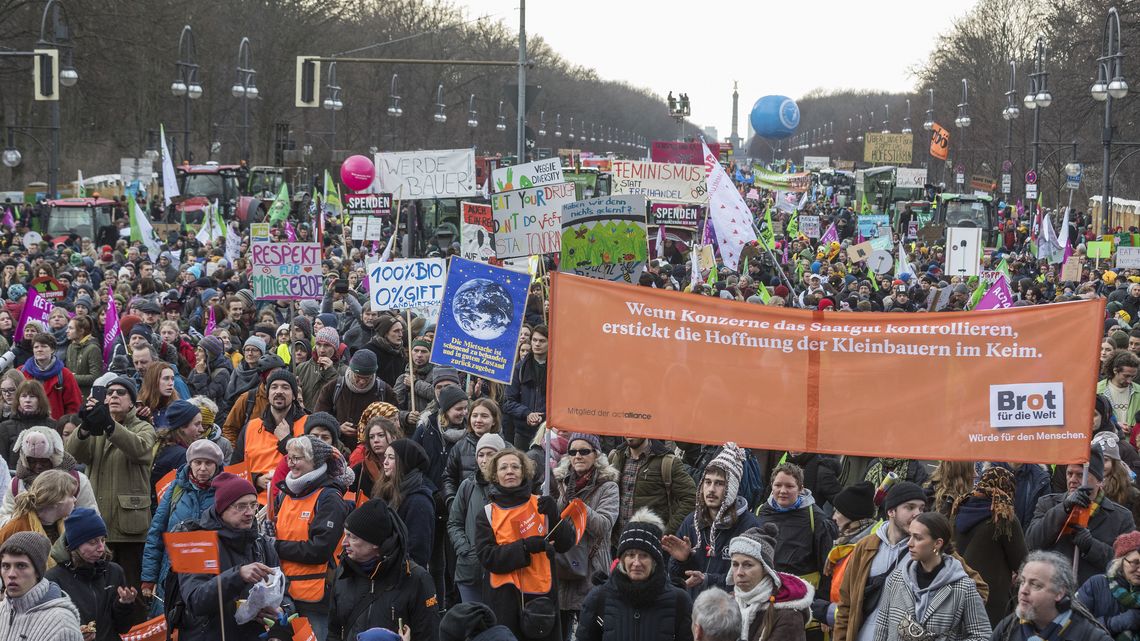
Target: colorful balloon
[(357, 172), (775, 117)]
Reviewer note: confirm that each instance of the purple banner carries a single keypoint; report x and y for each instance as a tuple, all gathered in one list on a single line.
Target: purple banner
[(997, 296), (112, 333), (36, 308)]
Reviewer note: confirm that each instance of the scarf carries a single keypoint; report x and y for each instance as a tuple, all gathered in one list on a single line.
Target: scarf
[(53, 368), (640, 593), (1128, 598), (1052, 632), (776, 506), (880, 468), (992, 496), (298, 484), (753, 602), (582, 482)]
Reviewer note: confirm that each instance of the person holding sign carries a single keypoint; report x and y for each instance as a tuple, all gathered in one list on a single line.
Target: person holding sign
[(243, 558), (377, 585), (516, 538), (186, 498)]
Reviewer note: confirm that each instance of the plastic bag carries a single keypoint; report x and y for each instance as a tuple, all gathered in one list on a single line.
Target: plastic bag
[(267, 593)]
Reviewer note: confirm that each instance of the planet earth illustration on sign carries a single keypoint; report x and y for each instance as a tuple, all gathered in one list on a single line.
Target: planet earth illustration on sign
[(483, 308)]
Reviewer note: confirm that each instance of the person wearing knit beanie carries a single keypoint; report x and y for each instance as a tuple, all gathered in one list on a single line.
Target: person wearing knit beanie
[(228, 489), (372, 521), (33, 545), (441, 374), (363, 362), (326, 422), (257, 343), (700, 545), (592, 439), (903, 492), (857, 502), (643, 532), (282, 375), (466, 621), (410, 455), (1125, 544), (212, 346), (82, 525), (492, 441), (328, 336), (760, 544), (451, 396)]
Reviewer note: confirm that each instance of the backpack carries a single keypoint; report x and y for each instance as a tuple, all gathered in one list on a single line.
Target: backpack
[(174, 606)]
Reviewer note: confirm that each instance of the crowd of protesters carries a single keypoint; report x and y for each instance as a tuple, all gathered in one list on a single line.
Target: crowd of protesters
[(390, 497)]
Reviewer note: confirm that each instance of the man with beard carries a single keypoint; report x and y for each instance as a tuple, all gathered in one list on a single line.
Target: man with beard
[(1046, 608), (421, 352), (251, 403), (347, 397), (261, 443), (699, 551), (653, 477)]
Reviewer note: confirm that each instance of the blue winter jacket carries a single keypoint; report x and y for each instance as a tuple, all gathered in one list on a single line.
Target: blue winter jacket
[(714, 561), (191, 503), (1096, 595)]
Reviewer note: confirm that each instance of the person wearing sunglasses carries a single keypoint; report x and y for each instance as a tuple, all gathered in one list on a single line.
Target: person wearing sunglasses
[(118, 449)]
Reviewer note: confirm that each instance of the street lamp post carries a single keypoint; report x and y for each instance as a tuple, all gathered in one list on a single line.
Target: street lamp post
[(333, 104), (963, 119), (58, 37), (1011, 112), (244, 87), (1038, 96), (440, 114), (1109, 84), (886, 119), (185, 84), (906, 119)]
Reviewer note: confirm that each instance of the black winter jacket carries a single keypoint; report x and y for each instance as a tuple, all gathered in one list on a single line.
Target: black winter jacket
[(625, 610), (460, 464), (92, 588), (1110, 521)]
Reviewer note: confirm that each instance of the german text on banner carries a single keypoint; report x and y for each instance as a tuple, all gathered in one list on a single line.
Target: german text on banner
[(1000, 385), (193, 552), (285, 271), (427, 174)]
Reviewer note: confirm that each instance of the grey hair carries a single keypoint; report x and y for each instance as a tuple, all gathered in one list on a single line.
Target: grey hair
[(302, 445), (1064, 581), (718, 615)]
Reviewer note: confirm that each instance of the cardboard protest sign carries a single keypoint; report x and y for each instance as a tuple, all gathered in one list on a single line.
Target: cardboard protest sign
[(1071, 270), (809, 226), (403, 284), (605, 238), (660, 181), (426, 174), (528, 222), (909, 178), (480, 320), (891, 149), (997, 385), (861, 251), (527, 175), (36, 308), (1128, 258), (674, 215), (476, 229), (192, 552), (286, 271)]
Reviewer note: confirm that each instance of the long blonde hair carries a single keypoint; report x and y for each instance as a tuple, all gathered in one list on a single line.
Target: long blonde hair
[(49, 488)]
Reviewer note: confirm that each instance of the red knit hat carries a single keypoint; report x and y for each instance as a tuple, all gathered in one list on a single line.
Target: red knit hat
[(825, 303), (1126, 543), (228, 488)]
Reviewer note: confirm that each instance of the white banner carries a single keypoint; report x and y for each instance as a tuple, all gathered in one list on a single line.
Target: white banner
[(529, 221), (910, 178), (1128, 257), (419, 175), (660, 181), (525, 176), (404, 284), (816, 162)]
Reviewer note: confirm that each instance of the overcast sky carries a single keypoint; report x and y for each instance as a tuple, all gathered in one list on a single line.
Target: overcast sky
[(786, 48)]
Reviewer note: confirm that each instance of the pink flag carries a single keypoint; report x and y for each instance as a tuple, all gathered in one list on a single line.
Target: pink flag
[(830, 235), (998, 296), (290, 233), (8, 222), (211, 322), (36, 308), (112, 333)]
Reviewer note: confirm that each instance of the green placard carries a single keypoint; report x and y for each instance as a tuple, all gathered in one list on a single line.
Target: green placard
[(1100, 249)]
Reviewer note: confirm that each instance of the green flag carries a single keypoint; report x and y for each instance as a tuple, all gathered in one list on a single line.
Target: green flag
[(762, 290), (141, 229), (279, 210), (712, 276), (1003, 267), (767, 235), (332, 196), (792, 229)]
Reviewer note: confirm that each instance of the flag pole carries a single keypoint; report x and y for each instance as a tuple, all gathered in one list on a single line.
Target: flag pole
[(779, 268), (411, 365)]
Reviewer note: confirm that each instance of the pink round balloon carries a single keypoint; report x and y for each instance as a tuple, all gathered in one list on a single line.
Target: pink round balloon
[(357, 172)]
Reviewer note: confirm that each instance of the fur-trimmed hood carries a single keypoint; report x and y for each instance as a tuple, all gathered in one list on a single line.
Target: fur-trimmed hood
[(603, 470), (794, 593)]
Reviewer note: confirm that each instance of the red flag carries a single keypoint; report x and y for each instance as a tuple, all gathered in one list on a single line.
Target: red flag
[(577, 513)]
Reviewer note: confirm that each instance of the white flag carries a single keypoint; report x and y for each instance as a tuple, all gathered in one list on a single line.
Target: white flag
[(730, 217), (169, 179), (141, 229), (210, 230), (903, 266)]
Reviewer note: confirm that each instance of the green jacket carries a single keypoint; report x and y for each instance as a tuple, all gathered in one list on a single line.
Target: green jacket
[(85, 361), (672, 505), (1133, 399), (312, 379), (118, 465)]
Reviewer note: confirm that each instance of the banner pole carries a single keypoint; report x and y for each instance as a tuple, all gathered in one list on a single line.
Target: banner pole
[(221, 608), (411, 365)]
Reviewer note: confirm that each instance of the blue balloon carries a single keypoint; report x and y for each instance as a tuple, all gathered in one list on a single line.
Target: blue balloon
[(775, 117)]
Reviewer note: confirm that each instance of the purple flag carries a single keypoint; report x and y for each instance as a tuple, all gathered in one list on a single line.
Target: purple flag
[(112, 333), (830, 235), (211, 323), (8, 222), (997, 296), (36, 308)]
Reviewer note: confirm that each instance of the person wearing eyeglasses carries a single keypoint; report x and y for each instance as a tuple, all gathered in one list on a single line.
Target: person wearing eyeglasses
[(118, 449), (1110, 596), (9, 381), (244, 558)]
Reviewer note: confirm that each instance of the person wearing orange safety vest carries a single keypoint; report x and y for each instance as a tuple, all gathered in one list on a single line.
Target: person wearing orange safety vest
[(261, 442), (309, 520), (855, 517), (516, 538)]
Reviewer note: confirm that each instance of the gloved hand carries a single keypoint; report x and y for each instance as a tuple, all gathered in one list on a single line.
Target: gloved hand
[(548, 505), (534, 544), (1125, 621), (97, 420), (1082, 538), (819, 609), (1080, 497)]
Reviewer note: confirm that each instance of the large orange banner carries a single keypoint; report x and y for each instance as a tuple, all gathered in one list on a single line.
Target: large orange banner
[(1013, 385)]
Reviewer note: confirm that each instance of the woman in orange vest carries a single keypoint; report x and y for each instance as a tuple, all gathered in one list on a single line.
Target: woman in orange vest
[(309, 519), (855, 516), (516, 538)]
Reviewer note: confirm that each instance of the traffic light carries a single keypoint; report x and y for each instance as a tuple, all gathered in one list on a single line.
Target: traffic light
[(308, 81), (45, 74)]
